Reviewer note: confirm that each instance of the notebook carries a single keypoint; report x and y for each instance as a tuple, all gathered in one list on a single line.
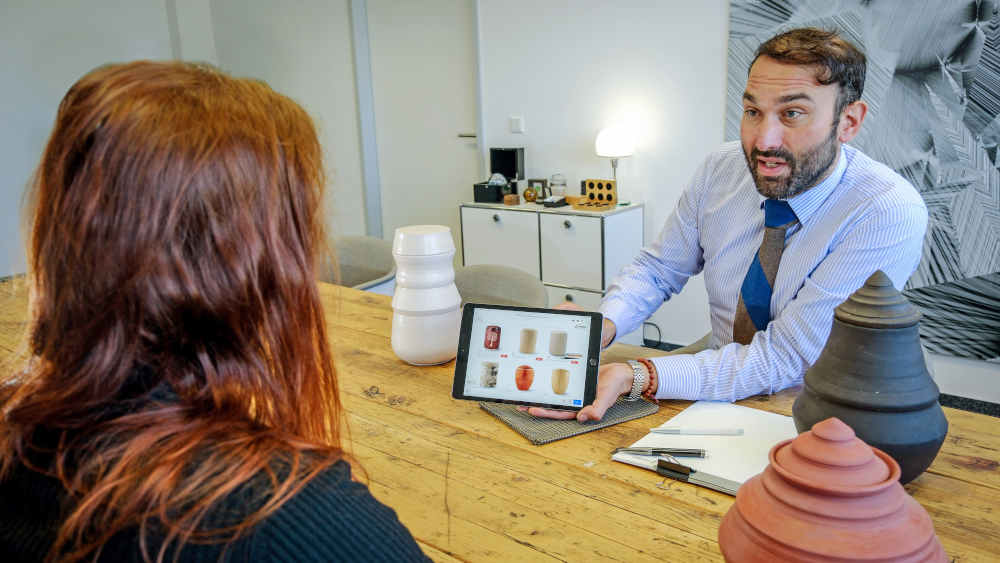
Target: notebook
[(736, 458)]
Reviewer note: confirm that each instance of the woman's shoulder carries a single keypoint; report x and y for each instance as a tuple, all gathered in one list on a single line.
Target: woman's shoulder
[(334, 518)]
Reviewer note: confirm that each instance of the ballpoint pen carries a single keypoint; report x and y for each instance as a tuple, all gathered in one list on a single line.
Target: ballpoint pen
[(697, 431), (678, 452)]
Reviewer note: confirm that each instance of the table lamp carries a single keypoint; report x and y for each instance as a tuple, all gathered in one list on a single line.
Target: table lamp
[(614, 143)]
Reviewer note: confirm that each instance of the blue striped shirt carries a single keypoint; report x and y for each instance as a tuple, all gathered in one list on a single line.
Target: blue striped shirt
[(863, 217)]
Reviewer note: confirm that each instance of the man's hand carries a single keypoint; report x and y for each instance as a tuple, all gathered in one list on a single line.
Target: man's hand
[(608, 328), (613, 381)]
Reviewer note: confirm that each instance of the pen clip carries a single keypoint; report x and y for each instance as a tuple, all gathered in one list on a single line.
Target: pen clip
[(673, 470), (675, 467)]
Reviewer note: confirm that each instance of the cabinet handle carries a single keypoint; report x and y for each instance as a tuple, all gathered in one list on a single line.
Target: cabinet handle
[(496, 218), (567, 224), (569, 298)]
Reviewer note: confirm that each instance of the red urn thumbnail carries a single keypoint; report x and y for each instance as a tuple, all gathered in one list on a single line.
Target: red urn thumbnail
[(492, 340), (523, 377)]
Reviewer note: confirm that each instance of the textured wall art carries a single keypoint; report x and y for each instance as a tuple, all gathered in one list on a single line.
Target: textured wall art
[(933, 91)]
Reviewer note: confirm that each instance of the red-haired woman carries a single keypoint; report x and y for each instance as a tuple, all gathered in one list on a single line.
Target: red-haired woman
[(181, 400)]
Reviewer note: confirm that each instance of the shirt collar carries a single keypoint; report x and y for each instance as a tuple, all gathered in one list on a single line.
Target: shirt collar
[(809, 201)]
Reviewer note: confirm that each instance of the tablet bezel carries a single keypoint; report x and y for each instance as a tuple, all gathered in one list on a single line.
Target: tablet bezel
[(592, 360)]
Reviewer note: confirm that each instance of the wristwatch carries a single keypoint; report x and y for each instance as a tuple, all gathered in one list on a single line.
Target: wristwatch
[(639, 380)]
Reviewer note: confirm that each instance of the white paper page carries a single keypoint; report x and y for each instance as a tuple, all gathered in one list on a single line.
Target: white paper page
[(733, 457)]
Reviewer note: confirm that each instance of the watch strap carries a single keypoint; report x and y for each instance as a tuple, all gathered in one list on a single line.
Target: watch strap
[(639, 379)]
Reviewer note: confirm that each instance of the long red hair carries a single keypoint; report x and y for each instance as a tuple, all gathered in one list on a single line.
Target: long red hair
[(174, 239)]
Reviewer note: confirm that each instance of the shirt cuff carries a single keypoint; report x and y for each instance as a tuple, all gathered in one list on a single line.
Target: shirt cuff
[(618, 313), (677, 377)]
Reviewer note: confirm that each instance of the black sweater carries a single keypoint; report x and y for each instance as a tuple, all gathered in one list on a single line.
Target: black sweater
[(331, 519)]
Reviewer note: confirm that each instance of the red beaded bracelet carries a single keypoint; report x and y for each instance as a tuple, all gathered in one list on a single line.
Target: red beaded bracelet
[(650, 391)]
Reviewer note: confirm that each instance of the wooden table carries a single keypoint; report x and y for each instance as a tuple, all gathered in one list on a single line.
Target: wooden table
[(470, 488)]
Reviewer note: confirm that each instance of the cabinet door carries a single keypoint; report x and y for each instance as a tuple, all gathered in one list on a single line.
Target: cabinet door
[(497, 236), (590, 301), (572, 250)]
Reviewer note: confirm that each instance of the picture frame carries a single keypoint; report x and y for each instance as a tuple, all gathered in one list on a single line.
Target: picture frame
[(541, 187)]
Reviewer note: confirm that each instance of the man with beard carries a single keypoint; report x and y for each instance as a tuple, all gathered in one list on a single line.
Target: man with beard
[(791, 192)]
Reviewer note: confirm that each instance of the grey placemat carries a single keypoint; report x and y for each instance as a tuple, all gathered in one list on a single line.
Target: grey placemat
[(544, 430)]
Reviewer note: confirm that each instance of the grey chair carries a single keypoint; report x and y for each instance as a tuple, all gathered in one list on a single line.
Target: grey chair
[(694, 347), (362, 262), (500, 285)]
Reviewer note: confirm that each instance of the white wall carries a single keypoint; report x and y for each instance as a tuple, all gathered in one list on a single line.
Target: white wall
[(191, 32), (303, 49), (571, 68), (44, 48)]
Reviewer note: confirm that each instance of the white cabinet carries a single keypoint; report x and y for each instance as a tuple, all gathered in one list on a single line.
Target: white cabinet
[(500, 236), (574, 253)]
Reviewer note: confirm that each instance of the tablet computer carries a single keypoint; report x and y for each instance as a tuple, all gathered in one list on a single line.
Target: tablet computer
[(527, 356)]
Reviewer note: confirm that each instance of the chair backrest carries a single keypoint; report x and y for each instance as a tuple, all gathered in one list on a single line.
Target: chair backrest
[(362, 261), (500, 285)]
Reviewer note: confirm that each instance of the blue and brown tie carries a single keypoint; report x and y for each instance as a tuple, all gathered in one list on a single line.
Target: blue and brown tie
[(753, 311)]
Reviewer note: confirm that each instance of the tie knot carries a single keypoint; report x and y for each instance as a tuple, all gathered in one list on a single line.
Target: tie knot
[(778, 213)]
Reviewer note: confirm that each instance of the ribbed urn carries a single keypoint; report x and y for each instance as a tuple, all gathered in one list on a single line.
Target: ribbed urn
[(827, 496), (871, 375)]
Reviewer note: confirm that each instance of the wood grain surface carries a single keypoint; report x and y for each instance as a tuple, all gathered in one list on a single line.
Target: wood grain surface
[(470, 488)]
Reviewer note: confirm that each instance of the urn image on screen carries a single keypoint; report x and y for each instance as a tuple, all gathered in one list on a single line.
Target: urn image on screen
[(488, 377), (557, 343), (560, 381), (529, 337), (523, 377), (492, 340)]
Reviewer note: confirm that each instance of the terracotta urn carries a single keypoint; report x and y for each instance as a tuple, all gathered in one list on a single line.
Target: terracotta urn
[(827, 496), (871, 374), (523, 376)]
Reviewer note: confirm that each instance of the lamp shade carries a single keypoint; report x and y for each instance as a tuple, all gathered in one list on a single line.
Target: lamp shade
[(614, 142)]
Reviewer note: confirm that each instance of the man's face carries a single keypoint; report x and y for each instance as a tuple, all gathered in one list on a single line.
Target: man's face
[(789, 131)]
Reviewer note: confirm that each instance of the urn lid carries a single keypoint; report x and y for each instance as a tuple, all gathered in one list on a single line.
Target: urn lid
[(831, 455), (878, 304), (422, 240)]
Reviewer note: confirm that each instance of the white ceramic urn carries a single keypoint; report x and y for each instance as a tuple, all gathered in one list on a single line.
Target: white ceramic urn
[(426, 311)]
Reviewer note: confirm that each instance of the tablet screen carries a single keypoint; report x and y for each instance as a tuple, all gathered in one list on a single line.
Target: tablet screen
[(528, 356)]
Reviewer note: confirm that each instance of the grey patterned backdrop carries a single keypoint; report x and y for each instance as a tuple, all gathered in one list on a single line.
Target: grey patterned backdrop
[(933, 91)]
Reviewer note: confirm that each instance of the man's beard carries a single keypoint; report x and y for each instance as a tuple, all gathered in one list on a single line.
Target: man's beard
[(805, 169)]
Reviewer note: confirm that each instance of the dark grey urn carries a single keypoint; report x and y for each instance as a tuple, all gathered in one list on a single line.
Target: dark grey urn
[(871, 375)]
